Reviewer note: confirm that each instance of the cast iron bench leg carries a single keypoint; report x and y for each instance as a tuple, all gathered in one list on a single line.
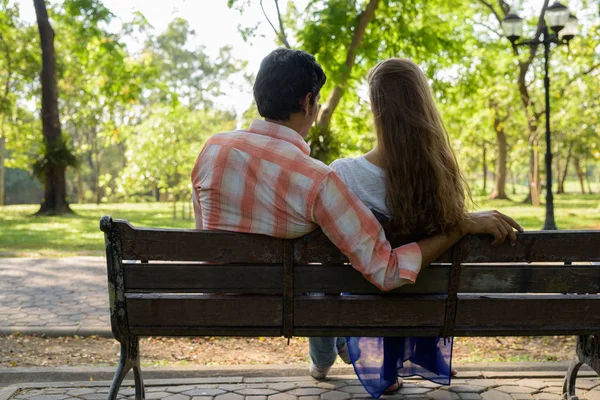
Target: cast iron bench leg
[(130, 359), (588, 352)]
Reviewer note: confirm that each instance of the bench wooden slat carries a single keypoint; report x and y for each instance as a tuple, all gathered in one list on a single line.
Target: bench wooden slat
[(194, 330), (528, 313), (204, 278), (165, 310), (534, 246), (476, 278), (367, 311), (193, 245)]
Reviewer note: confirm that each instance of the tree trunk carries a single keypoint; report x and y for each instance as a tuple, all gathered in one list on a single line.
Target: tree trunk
[(324, 117), (563, 177), (534, 177), (499, 191), (579, 171), (79, 187), (55, 187), (514, 182), (485, 171), (2, 158)]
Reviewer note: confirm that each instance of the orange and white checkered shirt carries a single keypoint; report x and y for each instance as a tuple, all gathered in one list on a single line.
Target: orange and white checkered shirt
[(264, 181)]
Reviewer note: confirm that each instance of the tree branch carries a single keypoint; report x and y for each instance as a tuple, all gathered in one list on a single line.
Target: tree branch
[(491, 7), (281, 29), (280, 35)]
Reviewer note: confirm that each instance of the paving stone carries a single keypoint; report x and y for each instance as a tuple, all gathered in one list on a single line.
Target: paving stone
[(407, 391), (335, 395), (156, 395), (231, 386), (256, 398), (586, 384), (470, 396), (532, 383), (79, 392), (202, 398), (495, 395), (354, 389), (521, 396), (553, 389), (593, 395), (177, 396), (547, 396), (488, 383), (94, 396), (50, 397), (332, 384), (203, 392), (516, 389), (466, 389), (179, 389), (282, 396), (554, 382), (308, 391), (154, 389), (283, 386), (428, 384), (128, 392), (305, 398), (251, 391), (230, 396), (443, 395)]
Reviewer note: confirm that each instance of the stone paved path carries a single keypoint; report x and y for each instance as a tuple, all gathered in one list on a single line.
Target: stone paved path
[(57, 296), (305, 388)]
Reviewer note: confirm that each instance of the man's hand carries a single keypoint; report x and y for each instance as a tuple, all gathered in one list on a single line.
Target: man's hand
[(492, 223)]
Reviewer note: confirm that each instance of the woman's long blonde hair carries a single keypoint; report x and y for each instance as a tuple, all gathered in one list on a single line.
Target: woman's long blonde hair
[(425, 191)]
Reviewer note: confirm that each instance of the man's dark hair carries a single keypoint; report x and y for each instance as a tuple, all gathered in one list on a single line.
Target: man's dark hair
[(286, 76)]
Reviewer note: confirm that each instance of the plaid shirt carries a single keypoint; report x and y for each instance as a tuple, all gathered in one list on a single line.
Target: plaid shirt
[(264, 181)]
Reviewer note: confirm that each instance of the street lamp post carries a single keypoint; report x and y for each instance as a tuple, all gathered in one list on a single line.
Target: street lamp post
[(564, 27)]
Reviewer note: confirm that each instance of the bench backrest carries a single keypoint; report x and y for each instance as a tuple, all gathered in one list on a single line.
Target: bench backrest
[(220, 283)]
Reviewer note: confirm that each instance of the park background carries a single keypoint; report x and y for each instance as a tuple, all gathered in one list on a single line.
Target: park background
[(142, 84)]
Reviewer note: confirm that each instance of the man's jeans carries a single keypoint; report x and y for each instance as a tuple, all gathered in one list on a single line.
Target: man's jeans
[(324, 350)]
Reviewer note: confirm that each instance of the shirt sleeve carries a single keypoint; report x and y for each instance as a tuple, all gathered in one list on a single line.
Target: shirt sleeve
[(350, 225)]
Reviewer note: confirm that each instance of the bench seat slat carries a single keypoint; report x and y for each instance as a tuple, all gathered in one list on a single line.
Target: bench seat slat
[(206, 331), (367, 311), (162, 310), (209, 278), (476, 278), (528, 313)]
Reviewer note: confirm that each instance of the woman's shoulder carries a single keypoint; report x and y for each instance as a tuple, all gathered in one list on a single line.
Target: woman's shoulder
[(343, 163)]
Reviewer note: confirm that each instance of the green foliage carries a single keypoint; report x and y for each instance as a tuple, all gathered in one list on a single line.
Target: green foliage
[(164, 147)]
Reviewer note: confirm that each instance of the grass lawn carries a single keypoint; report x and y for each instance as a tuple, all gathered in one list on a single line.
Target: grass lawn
[(22, 234)]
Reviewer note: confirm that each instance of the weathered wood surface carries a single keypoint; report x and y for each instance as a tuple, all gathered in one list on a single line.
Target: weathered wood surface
[(369, 311), (535, 246), (193, 245), (228, 247), (205, 278), (172, 310), (476, 278), (530, 313)]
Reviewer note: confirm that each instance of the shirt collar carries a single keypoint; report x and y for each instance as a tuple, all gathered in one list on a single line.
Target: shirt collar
[(279, 132)]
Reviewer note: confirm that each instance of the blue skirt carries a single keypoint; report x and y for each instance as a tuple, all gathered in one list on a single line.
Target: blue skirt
[(379, 361)]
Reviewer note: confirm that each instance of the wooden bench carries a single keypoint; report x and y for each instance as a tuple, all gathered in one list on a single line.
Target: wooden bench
[(207, 283)]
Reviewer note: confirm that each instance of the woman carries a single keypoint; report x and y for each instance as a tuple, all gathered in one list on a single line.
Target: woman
[(412, 178)]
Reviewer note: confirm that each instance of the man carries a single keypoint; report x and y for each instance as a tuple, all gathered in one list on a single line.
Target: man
[(263, 180)]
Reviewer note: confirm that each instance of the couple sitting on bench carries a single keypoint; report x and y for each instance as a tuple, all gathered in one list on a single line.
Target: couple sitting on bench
[(262, 180)]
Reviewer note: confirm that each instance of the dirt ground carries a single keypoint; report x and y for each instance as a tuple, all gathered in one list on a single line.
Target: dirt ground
[(29, 351)]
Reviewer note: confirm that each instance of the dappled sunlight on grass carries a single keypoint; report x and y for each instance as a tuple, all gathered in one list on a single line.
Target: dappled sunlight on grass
[(23, 234)]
